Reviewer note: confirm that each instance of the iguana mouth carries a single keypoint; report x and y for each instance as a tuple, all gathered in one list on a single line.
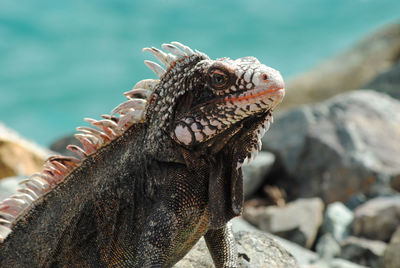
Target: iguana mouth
[(257, 93)]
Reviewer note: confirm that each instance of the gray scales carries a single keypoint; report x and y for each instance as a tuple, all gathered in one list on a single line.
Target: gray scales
[(161, 171)]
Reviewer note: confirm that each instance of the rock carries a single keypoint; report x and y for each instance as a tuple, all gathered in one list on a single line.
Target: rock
[(391, 256), (340, 263), (302, 255), (261, 250), (255, 172), (378, 218), (334, 263), (349, 70), (340, 147), (297, 221), (305, 257), (327, 247), (61, 144), (356, 200), (19, 156), (395, 182), (337, 221), (363, 251), (387, 82)]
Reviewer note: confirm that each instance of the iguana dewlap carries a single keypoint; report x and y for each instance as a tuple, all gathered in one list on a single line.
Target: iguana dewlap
[(160, 172)]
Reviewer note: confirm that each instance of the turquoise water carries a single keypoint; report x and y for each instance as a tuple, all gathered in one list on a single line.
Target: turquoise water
[(61, 61)]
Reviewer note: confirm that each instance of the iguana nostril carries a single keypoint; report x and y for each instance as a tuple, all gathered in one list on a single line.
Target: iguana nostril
[(264, 77)]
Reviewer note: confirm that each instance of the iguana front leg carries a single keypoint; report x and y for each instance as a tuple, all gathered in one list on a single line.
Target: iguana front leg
[(157, 238), (222, 247), (177, 221)]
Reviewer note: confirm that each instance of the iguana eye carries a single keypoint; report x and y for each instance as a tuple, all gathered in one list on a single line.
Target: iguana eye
[(219, 79)]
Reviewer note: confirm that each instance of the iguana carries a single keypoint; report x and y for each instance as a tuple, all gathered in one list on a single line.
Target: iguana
[(160, 172)]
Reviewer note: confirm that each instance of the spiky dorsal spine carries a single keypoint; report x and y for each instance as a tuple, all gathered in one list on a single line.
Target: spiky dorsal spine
[(57, 168)]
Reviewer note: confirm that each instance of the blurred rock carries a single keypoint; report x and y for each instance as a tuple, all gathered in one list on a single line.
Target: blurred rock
[(363, 251), (334, 263), (391, 256), (341, 263), (337, 221), (327, 247), (261, 250), (387, 82), (298, 221), (378, 218), (60, 145), (255, 172), (340, 147), (395, 182), (352, 69), (275, 194), (356, 200), (19, 156)]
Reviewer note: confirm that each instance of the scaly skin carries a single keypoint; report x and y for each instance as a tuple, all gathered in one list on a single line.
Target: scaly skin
[(154, 180)]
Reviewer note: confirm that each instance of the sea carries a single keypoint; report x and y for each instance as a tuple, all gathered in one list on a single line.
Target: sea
[(61, 61)]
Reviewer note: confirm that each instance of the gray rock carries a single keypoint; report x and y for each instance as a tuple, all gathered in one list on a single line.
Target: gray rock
[(391, 256), (387, 82), (255, 172), (378, 218), (350, 70), (337, 221), (327, 247), (297, 221), (302, 255), (305, 257), (259, 248), (363, 251), (339, 147), (60, 145)]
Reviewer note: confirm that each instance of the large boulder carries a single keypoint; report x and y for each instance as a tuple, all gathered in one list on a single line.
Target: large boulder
[(349, 70), (298, 221), (339, 147), (19, 156), (255, 172), (259, 250), (387, 82), (378, 218), (302, 255), (305, 257)]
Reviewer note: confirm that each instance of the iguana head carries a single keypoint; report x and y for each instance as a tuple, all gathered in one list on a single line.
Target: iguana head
[(202, 103), (216, 110)]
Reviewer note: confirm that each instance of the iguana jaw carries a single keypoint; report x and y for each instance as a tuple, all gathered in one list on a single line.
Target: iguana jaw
[(218, 120)]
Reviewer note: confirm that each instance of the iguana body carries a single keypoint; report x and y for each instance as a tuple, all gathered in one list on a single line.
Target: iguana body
[(149, 183)]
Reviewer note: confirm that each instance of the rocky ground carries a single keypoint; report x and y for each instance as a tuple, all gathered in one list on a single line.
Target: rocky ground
[(325, 190)]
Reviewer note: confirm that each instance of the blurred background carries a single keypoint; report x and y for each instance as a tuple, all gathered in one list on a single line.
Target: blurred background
[(61, 61), (328, 177)]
